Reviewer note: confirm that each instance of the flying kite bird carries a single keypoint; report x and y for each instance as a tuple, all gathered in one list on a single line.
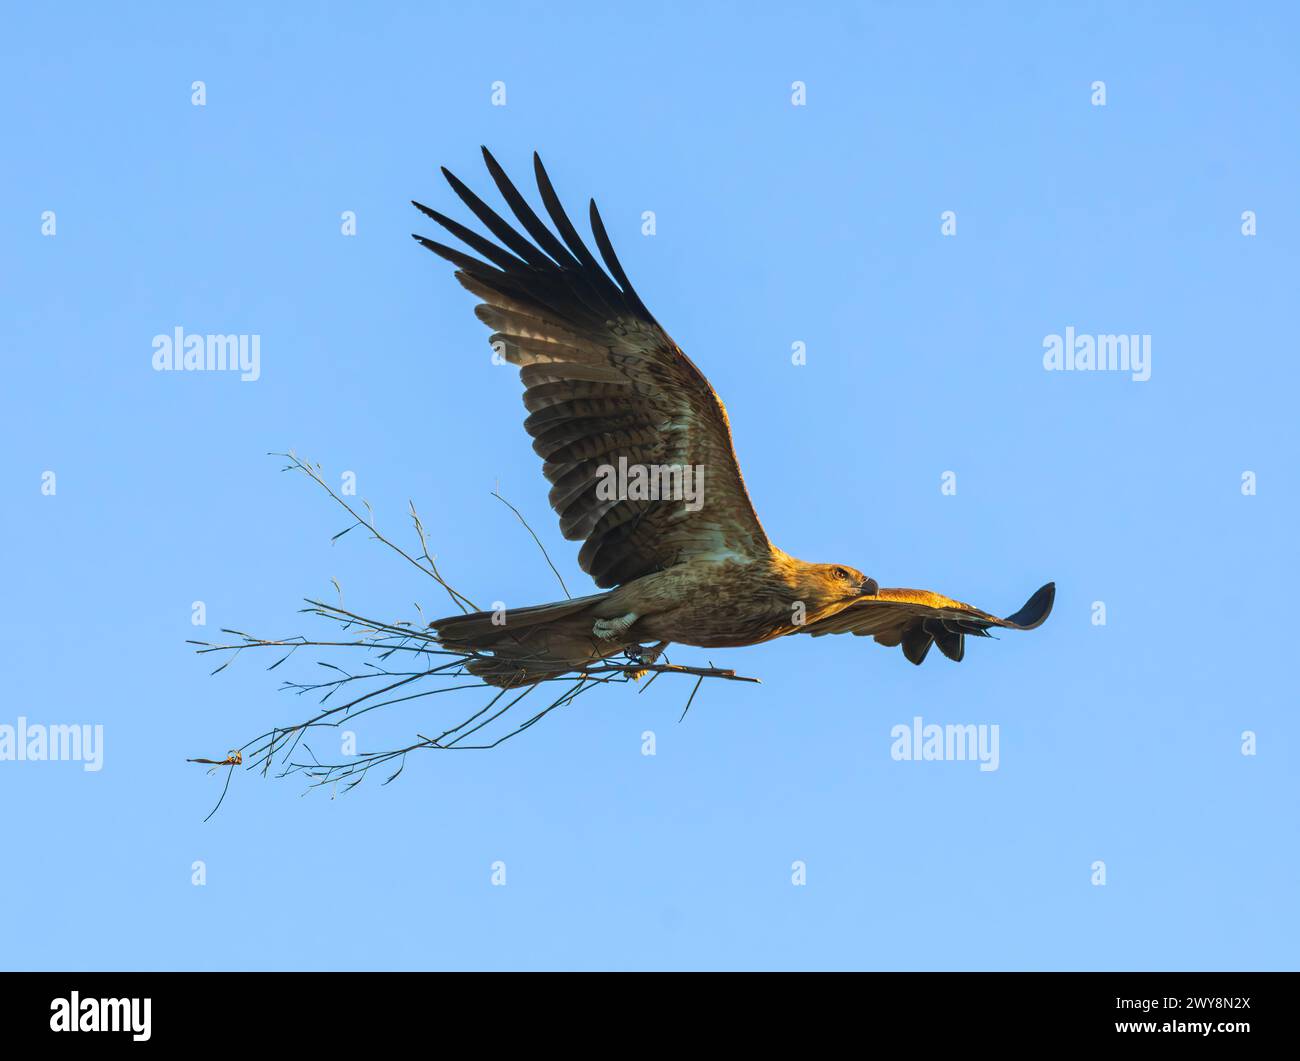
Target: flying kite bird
[(606, 388)]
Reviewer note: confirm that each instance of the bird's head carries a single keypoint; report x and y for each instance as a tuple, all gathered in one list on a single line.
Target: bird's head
[(833, 585)]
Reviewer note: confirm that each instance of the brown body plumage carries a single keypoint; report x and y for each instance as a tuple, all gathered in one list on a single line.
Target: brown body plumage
[(605, 386)]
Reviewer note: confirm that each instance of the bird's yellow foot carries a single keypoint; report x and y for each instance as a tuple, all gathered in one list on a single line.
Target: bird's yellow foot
[(641, 654)]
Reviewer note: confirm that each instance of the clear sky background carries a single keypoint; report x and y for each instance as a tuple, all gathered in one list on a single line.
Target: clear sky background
[(776, 224)]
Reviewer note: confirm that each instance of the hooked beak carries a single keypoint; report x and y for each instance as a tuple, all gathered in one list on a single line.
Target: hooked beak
[(869, 588)]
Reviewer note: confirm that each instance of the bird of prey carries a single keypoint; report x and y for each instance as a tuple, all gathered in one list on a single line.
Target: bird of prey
[(606, 388)]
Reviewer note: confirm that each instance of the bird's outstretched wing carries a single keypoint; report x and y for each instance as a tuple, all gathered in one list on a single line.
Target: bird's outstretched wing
[(917, 619), (603, 383)]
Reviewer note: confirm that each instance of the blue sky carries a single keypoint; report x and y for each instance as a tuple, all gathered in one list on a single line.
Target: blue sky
[(775, 224)]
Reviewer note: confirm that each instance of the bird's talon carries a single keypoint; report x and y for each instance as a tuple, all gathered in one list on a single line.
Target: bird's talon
[(607, 629)]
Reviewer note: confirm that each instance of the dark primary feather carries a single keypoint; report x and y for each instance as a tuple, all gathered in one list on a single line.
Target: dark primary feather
[(603, 383), (917, 619)]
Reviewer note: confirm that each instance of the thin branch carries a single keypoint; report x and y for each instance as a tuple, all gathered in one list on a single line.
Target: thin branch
[(402, 662), (545, 555), (313, 472), (691, 699)]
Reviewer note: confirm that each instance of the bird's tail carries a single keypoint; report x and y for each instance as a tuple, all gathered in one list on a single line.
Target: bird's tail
[(527, 645)]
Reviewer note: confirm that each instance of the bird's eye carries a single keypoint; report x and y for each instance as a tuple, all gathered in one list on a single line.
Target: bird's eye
[(840, 573)]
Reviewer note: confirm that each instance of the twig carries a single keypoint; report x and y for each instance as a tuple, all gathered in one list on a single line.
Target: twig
[(538, 540), (423, 661), (432, 570)]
